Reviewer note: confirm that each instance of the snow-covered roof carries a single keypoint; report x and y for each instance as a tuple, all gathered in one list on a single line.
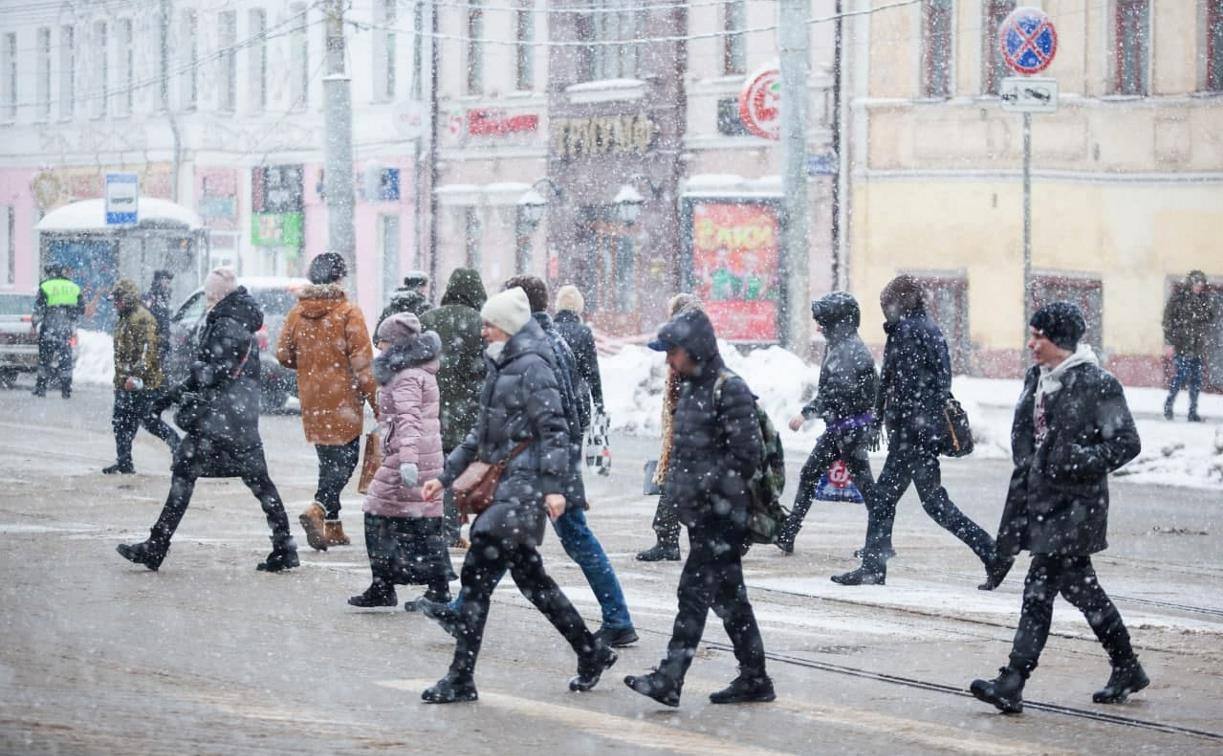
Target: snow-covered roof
[(90, 215)]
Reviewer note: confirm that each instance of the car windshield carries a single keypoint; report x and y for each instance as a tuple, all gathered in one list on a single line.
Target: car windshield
[(275, 301), (17, 304)]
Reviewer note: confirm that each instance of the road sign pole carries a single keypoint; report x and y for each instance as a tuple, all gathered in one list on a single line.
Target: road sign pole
[(1027, 220)]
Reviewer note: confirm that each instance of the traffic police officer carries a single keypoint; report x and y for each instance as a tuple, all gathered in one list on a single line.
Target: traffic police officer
[(56, 311)]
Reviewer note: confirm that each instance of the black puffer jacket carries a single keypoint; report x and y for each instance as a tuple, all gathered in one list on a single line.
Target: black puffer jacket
[(1058, 498), (520, 401), (567, 381), (225, 378), (915, 381), (717, 444), (582, 341), (848, 380)]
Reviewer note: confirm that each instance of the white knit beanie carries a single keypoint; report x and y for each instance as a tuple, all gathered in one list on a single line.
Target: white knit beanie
[(219, 284), (509, 310), (569, 298)]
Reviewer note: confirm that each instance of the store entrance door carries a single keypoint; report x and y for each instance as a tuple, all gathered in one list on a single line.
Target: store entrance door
[(606, 271)]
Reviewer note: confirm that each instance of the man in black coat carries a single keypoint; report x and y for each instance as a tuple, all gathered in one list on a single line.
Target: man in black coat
[(717, 449), (569, 306), (1072, 427), (157, 301), (913, 392), (843, 400)]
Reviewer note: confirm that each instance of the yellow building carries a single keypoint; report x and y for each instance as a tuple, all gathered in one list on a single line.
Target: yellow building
[(1127, 175)]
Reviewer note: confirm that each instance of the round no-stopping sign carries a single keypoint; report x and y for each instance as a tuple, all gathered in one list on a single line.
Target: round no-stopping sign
[(760, 104), (1028, 40)]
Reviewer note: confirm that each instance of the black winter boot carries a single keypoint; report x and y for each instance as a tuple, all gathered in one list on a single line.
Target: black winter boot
[(1005, 691), (283, 557), (785, 542), (996, 571), (748, 687), (379, 593), (441, 613), (1127, 677), (145, 553), (862, 576), (655, 685), (617, 637), (1194, 417), (119, 468), (591, 666), (453, 688), (660, 552), (1168, 408)]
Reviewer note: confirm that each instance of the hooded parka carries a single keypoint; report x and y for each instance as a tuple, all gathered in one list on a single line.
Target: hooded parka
[(136, 339), (457, 322)]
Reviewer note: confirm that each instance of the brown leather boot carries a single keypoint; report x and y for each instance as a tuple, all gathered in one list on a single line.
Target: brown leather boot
[(312, 523), (333, 532)]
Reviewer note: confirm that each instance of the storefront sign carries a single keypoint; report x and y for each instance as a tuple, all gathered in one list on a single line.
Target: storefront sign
[(735, 260), (277, 189), (603, 135), (276, 230), (760, 104), (218, 198), (498, 122)]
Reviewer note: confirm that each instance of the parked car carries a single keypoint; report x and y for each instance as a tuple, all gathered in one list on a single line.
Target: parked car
[(19, 337), (276, 296)]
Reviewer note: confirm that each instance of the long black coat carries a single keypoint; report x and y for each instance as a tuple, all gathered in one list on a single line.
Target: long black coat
[(716, 441), (582, 341), (458, 323), (567, 381), (519, 402), (1057, 502), (915, 381), (848, 381), (225, 378)]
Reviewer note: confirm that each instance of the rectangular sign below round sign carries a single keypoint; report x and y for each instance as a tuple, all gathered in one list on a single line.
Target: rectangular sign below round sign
[(1028, 94), (122, 196)]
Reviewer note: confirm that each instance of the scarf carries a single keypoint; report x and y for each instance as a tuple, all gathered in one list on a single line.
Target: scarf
[(1050, 382)]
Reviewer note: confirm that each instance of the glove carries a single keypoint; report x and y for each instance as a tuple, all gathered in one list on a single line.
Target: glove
[(408, 474), (162, 403), (874, 436)]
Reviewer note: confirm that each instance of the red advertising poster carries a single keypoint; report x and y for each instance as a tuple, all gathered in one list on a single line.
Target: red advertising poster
[(735, 255)]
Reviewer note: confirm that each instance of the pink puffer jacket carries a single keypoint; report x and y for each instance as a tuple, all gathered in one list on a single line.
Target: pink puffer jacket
[(409, 405)]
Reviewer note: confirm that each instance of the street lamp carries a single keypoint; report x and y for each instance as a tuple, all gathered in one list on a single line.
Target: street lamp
[(628, 201), (532, 204)]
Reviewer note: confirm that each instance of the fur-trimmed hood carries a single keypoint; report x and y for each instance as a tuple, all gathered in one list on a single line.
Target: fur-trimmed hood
[(423, 352), (317, 300)]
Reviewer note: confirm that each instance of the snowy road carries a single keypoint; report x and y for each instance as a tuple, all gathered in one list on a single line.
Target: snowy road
[(209, 656)]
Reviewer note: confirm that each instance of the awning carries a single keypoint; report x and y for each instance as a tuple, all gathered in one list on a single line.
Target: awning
[(90, 215)]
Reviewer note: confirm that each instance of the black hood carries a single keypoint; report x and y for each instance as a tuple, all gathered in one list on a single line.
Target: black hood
[(837, 313), (465, 288), (239, 306), (692, 332), (418, 351)]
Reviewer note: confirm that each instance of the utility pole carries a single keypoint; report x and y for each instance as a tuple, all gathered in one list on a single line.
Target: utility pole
[(793, 41), (838, 265), (337, 149)]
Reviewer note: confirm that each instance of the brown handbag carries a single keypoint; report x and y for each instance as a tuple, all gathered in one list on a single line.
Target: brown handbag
[(476, 486), (371, 462)]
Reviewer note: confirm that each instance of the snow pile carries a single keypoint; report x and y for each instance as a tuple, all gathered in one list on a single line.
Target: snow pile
[(95, 359)]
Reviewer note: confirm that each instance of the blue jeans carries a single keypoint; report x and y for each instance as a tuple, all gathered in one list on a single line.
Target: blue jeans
[(584, 548), (1188, 373)]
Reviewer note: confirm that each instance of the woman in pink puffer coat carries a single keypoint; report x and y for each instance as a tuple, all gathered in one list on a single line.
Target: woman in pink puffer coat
[(404, 534)]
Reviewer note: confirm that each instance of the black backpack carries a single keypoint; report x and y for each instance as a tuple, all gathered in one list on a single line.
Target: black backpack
[(766, 515)]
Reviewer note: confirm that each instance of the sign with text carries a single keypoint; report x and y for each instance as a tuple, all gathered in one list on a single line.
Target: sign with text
[(1029, 94), (736, 255), (122, 197), (603, 135)]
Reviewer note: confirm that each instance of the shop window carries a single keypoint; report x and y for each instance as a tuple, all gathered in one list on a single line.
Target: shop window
[(729, 121), (258, 62), (734, 44), (947, 305), (936, 41), (993, 67), (1214, 45), (1086, 292), (607, 270), (1131, 46)]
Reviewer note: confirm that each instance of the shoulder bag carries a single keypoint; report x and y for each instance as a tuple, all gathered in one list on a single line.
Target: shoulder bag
[(194, 404), (476, 486), (958, 441)]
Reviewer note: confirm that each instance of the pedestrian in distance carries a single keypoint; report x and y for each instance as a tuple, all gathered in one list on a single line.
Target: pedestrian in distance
[(717, 448), (157, 302), (57, 308), (521, 424), (404, 536), (325, 340), (1072, 427), (138, 377), (219, 409), (915, 384), (410, 297), (1190, 326), (457, 322), (843, 400), (666, 514), (568, 321)]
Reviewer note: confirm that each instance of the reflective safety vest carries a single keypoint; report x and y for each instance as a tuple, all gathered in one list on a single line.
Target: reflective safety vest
[(60, 292)]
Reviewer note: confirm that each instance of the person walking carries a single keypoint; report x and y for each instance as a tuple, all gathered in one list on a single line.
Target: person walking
[(410, 297), (666, 515), (138, 377), (914, 387), (1189, 326), (157, 302), (1072, 427), (843, 400), (522, 424), (458, 324), (325, 340), (403, 530), (219, 410), (581, 340), (57, 308), (717, 447)]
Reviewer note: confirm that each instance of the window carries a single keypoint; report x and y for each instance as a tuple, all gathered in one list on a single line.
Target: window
[(42, 84), (524, 62), (163, 58), (993, 68), (8, 69), (729, 121), (100, 88), (227, 39), (1131, 47), (127, 68), (258, 20), (947, 305), (299, 46), (389, 227), (609, 61), (389, 44), (67, 72), (474, 57), (1086, 292), (8, 244), (1214, 46), (190, 52), (384, 77), (936, 48), (471, 236), (734, 44)]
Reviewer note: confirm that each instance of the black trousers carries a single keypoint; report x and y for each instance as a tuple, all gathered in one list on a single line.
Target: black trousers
[(335, 468), (666, 520), (133, 409), (910, 463), (54, 363), (849, 447), (712, 578), (409, 551), (487, 560), (1074, 578), (182, 485), (451, 522)]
